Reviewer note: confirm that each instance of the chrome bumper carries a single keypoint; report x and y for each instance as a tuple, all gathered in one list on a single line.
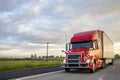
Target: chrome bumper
[(75, 65)]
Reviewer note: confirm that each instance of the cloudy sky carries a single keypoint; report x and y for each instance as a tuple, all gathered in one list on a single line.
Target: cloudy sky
[(26, 25)]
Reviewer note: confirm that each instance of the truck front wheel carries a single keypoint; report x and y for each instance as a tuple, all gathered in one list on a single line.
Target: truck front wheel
[(67, 69), (94, 68)]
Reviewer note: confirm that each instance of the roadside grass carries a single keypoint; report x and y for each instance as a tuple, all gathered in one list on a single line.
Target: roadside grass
[(6, 65)]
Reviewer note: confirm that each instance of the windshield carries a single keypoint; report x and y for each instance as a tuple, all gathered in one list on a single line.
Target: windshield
[(86, 44)]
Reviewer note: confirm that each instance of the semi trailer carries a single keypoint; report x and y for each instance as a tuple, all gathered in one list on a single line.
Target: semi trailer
[(88, 50)]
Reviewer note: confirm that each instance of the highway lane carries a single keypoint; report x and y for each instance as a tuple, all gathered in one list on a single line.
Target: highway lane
[(111, 72), (27, 72)]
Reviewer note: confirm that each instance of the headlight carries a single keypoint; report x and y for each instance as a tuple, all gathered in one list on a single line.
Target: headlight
[(88, 61), (64, 61)]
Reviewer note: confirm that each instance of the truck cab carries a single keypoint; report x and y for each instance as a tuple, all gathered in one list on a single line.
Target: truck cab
[(84, 51)]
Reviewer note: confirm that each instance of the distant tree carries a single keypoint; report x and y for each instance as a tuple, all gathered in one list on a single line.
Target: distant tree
[(57, 57), (39, 57), (51, 57), (35, 56), (117, 56), (32, 56), (61, 57)]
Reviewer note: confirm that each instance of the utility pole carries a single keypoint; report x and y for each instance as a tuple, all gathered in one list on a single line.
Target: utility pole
[(47, 52)]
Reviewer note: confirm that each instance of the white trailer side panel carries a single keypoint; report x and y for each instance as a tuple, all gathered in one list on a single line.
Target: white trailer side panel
[(108, 47)]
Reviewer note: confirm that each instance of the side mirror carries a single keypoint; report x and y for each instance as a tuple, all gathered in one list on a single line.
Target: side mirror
[(67, 46), (64, 51)]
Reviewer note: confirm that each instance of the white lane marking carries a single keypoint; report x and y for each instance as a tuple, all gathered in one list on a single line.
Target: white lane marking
[(22, 78)]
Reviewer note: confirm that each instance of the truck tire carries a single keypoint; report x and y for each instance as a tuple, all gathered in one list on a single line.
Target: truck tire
[(67, 69), (94, 68), (112, 62), (103, 64)]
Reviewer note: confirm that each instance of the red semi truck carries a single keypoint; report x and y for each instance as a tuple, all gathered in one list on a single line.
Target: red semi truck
[(88, 50)]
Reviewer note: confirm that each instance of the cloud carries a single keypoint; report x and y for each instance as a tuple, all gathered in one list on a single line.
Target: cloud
[(24, 23), (4, 47), (7, 6)]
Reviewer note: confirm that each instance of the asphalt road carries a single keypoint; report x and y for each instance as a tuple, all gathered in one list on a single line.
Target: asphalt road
[(111, 72), (27, 72)]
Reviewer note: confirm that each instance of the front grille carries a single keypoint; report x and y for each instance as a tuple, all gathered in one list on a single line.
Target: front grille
[(74, 58), (73, 61)]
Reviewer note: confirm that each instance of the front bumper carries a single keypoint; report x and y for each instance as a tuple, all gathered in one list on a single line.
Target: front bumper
[(75, 65)]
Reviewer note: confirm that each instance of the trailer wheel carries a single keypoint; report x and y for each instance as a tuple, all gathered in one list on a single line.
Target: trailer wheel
[(112, 62), (67, 69), (103, 64), (94, 68)]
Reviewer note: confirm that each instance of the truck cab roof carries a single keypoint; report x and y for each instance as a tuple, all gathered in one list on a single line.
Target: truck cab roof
[(85, 36)]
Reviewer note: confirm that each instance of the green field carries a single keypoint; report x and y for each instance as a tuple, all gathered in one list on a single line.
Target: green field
[(18, 64)]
